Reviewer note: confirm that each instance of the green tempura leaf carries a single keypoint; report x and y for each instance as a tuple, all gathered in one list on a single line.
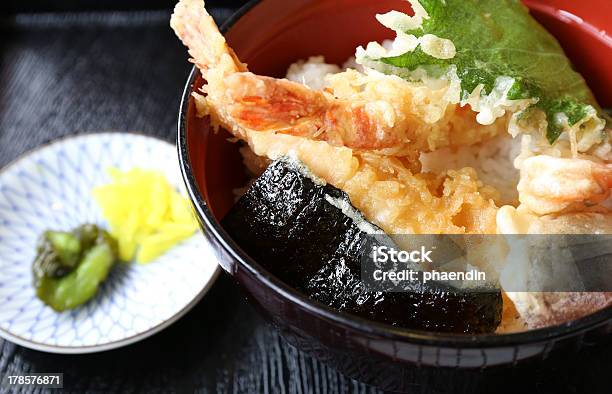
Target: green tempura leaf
[(498, 38)]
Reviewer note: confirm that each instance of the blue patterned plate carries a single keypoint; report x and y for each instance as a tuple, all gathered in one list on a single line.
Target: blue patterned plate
[(50, 188)]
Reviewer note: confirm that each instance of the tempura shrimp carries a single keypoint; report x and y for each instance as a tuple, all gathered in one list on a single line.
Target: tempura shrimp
[(243, 102), (550, 185)]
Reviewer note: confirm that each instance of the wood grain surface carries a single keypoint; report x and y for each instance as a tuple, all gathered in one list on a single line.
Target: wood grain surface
[(62, 74)]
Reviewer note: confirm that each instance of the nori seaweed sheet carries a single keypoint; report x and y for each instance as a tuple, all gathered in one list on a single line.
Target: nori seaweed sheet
[(285, 223)]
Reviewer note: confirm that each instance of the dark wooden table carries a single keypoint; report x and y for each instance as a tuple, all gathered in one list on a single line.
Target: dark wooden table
[(62, 74)]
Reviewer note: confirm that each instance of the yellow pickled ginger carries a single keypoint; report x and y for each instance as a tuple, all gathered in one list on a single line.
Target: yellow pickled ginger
[(146, 214)]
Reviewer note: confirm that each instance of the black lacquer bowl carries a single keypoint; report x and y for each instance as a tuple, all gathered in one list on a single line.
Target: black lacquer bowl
[(271, 34)]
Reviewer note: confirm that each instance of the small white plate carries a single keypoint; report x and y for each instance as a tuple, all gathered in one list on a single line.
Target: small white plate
[(50, 189)]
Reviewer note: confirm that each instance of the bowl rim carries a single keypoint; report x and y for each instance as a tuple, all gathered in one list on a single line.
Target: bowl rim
[(361, 325)]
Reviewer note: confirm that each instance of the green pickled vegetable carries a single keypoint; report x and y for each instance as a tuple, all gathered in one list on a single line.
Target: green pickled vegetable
[(71, 266), (58, 254)]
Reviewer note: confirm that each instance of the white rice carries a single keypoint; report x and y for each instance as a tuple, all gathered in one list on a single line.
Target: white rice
[(493, 160), (312, 72)]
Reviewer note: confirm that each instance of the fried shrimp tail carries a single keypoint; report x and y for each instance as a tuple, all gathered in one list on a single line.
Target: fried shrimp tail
[(206, 45)]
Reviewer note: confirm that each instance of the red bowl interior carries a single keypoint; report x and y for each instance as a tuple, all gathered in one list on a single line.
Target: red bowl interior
[(275, 33), (584, 29)]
